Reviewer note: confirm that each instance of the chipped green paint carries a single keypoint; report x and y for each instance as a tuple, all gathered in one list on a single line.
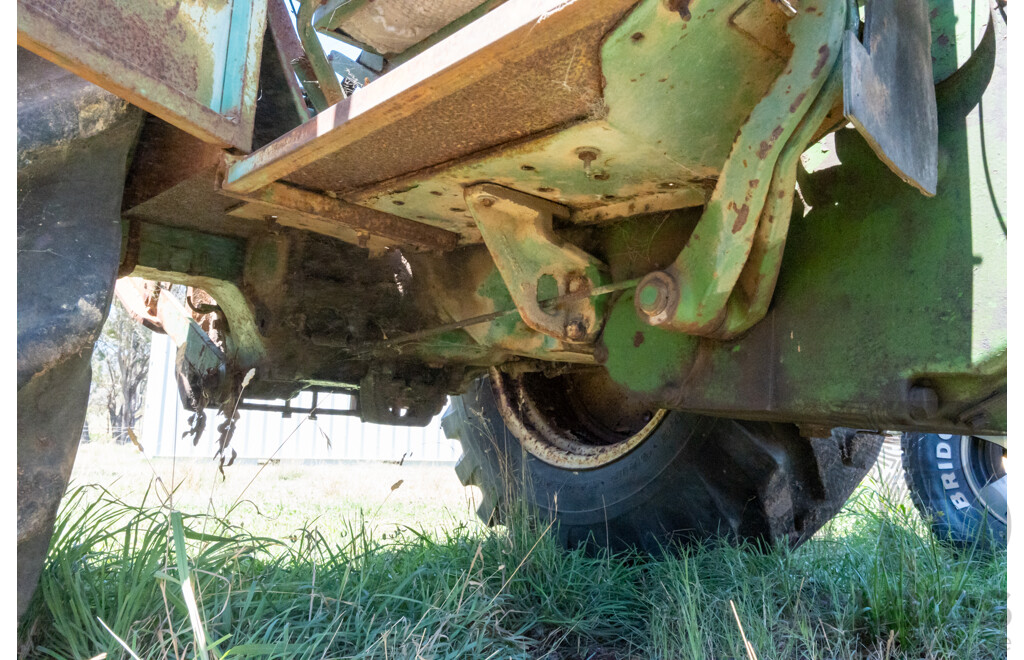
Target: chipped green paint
[(643, 358), (510, 331), (519, 235), (957, 29), (661, 135), (880, 289), (708, 269), (212, 263)]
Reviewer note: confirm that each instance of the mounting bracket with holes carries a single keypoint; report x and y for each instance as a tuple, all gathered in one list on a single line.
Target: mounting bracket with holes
[(537, 264)]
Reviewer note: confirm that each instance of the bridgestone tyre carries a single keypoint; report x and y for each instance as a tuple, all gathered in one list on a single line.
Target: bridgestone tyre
[(694, 478), (958, 484)]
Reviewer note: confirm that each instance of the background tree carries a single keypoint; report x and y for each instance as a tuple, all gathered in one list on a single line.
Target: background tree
[(120, 363)]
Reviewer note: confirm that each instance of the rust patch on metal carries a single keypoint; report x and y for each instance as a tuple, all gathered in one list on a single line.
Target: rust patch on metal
[(320, 209), (638, 339), (681, 7), (796, 102), (742, 213), (766, 145), (529, 79), (823, 53)]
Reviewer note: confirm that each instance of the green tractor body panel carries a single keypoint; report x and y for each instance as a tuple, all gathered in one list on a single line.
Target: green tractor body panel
[(668, 190)]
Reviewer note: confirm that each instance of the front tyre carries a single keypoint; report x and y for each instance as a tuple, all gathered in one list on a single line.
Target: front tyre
[(613, 474)]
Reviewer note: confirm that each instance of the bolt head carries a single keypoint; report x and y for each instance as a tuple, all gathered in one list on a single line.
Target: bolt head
[(576, 330), (654, 297), (649, 297), (486, 200)]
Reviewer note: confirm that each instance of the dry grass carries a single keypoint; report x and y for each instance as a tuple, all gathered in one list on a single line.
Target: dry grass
[(288, 495)]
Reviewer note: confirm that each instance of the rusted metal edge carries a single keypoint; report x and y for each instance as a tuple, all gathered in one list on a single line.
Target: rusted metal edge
[(324, 78), (140, 303), (289, 50), (511, 32), (36, 34), (359, 218)]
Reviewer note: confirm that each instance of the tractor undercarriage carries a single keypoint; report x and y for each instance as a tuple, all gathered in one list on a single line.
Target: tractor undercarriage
[(564, 188), (775, 211)]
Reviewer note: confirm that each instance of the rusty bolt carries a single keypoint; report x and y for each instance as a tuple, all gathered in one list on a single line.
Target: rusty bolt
[(576, 330), (654, 296), (576, 282), (588, 154), (486, 200)]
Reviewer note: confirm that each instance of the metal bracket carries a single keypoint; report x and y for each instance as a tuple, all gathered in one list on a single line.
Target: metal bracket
[(888, 92), (536, 264), (388, 398), (722, 281)]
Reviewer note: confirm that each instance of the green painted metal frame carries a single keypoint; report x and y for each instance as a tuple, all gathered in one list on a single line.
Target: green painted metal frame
[(861, 316), (193, 64), (324, 90), (883, 293), (693, 295), (216, 264), (536, 264)]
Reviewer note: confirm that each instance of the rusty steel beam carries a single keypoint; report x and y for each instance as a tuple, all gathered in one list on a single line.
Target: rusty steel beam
[(527, 66), (289, 50), (318, 210)]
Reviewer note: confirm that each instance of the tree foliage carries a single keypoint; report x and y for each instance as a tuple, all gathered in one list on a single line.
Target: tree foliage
[(120, 363)]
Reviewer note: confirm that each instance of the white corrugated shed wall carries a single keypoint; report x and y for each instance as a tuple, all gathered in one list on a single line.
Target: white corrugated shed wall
[(261, 435)]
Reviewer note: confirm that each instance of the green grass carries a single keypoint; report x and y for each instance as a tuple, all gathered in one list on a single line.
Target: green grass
[(872, 584)]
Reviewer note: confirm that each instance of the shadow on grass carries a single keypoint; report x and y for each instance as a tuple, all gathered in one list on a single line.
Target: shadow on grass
[(873, 583)]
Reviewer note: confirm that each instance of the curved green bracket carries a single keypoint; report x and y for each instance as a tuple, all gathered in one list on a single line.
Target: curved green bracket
[(692, 295)]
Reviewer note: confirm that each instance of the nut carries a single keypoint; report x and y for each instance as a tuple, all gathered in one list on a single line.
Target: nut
[(655, 297), (576, 330)]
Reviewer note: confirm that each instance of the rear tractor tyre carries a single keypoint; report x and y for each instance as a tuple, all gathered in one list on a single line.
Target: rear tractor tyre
[(615, 474)]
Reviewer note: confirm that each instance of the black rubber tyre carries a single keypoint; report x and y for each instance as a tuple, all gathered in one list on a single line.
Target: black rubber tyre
[(74, 142), (693, 478), (958, 484)]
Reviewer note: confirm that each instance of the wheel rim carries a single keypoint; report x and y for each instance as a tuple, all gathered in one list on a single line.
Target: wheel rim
[(577, 421), (982, 463)]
